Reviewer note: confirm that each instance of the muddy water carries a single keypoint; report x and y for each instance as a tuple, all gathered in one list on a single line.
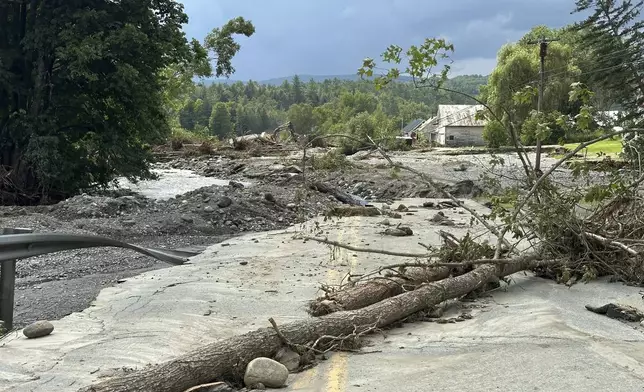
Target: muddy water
[(171, 183)]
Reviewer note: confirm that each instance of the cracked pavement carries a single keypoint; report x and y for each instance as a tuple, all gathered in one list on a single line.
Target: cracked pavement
[(535, 335)]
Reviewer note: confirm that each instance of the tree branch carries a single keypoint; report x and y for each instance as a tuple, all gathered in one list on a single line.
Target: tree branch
[(366, 250)]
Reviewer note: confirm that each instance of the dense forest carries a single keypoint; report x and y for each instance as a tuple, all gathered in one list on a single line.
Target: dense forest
[(239, 108), (88, 87)]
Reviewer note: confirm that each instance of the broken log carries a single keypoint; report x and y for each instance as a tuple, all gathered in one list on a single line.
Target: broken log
[(227, 359), (335, 192), (371, 291), (375, 290)]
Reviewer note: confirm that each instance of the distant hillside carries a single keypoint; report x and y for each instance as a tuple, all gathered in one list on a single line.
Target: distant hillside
[(322, 78)]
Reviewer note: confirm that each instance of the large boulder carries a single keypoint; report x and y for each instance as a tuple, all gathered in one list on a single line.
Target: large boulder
[(38, 329), (265, 371), (465, 188)]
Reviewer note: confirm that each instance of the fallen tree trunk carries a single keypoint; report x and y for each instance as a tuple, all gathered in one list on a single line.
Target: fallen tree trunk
[(335, 192), (227, 359), (375, 290)]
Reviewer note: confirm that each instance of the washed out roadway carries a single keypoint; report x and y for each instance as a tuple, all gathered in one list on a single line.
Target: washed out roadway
[(535, 336)]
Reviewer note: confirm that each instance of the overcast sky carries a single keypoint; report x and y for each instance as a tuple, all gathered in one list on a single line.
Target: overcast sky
[(330, 37)]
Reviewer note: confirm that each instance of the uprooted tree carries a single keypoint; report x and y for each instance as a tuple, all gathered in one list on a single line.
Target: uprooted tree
[(574, 230)]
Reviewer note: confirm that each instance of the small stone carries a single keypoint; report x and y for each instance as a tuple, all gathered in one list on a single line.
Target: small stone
[(38, 329), (280, 219), (291, 206), (288, 358), (269, 197), (243, 263), (208, 209), (224, 202), (235, 184), (260, 387), (385, 222), (265, 371), (187, 218)]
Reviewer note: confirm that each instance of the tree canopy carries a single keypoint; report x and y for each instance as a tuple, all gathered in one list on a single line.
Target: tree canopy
[(84, 87)]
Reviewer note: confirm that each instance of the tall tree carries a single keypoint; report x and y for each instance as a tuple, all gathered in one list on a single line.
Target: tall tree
[(301, 116), (298, 90), (84, 87), (614, 31), (221, 124)]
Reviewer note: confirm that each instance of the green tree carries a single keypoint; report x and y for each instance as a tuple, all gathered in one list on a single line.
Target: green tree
[(220, 123), (518, 67), (80, 92), (85, 88), (220, 41), (614, 34), (495, 134), (301, 115), (298, 90)]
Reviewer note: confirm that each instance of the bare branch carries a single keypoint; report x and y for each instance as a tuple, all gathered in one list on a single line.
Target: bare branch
[(366, 250), (616, 244)]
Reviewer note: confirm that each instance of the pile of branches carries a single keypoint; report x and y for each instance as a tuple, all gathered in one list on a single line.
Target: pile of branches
[(609, 242)]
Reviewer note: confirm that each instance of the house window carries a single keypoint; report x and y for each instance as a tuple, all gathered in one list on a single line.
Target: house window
[(450, 137)]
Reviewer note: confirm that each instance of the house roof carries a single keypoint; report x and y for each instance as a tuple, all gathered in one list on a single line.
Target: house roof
[(458, 116), (412, 125), (455, 116)]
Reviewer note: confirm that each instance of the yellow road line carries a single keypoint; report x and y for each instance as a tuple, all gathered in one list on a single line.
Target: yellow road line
[(337, 377)]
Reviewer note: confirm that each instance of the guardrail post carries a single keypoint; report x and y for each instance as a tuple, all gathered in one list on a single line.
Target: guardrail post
[(8, 283)]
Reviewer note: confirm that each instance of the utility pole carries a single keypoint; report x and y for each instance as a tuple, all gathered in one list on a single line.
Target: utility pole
[(543, 52)]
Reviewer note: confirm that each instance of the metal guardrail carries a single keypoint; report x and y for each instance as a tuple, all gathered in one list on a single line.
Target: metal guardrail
[(18, 243)]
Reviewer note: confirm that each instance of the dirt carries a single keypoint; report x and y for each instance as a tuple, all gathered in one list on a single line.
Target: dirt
[(52, 286)]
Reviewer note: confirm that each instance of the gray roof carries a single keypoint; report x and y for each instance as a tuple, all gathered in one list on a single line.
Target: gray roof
[(412, 125), (453, 115), (458, 116)]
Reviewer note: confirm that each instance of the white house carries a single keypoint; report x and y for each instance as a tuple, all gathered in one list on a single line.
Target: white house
[(455, 126)]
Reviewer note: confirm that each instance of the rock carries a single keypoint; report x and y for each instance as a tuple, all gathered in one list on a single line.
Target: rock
[(386, 207), (243, 263), (291, 206), (288, 358), (260, 387), (208, 209), (402, 208), (465, 188), (187, 218), (292, 169), (269, 197), (385, 222), (38, 329), (429, 204), (224, 202), (400, 231), (265, 371), (616, 311), (235, 184), (438, 217)]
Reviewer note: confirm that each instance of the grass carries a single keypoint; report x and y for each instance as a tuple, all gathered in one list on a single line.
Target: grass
[(608, 147)]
